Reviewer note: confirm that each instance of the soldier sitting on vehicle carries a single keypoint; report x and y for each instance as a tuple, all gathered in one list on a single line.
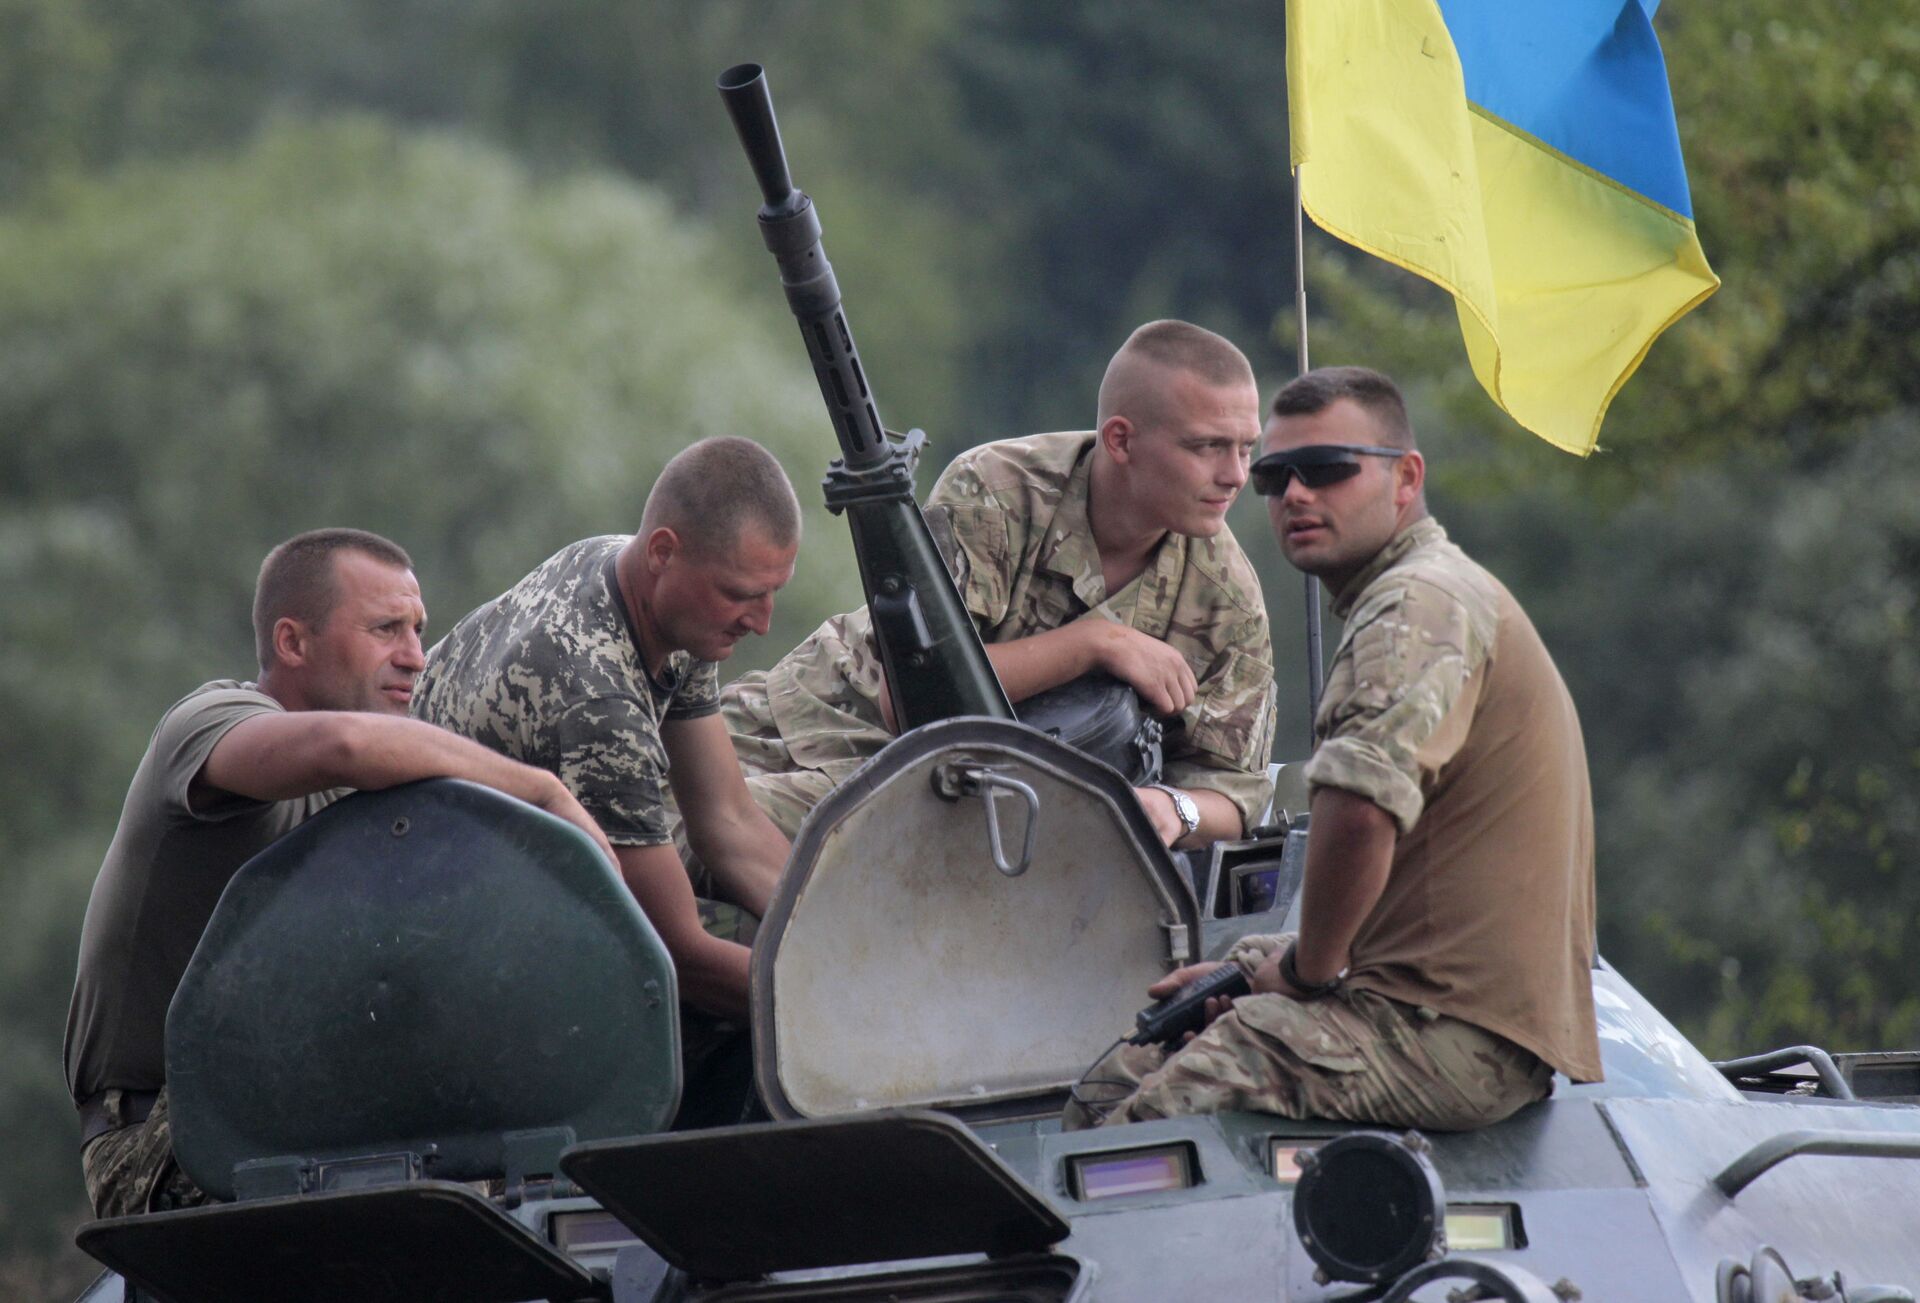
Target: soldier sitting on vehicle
[(1099, 550), (1443, 965), (601, 666), (231, 768)]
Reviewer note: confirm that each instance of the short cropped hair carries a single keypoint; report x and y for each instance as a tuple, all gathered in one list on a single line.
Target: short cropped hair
[(296, 579), (711, 491), (1177, 346), (1377, 395)]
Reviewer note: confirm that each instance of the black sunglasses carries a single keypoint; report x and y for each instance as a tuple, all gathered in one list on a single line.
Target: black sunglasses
[(1317, 465)]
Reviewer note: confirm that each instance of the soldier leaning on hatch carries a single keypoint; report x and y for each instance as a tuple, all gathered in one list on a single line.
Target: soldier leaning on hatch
[(1103, 550), (231, 768), (601, 666), (1443, 966)]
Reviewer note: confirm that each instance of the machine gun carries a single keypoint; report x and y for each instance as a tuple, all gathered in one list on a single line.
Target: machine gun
[(936, 667)]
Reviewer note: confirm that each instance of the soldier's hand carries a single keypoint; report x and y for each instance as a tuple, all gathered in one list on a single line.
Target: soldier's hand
[(1180, 977), (1156, 671), (1267, 980), (1160, 809), (558, 800)]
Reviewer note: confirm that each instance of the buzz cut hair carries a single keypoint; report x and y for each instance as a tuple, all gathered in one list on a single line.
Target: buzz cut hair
[(1174, 346), (1378, 396), (710, 492), (297, 580)]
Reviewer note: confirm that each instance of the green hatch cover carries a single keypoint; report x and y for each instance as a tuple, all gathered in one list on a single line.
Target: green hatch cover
[(738, 1202), (435, 970)]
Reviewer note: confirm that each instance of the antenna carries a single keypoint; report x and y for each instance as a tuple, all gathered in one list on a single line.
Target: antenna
[(1316, 668)]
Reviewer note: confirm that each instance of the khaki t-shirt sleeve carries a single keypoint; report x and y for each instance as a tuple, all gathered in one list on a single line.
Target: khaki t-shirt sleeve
[(608, 752), (1408, 665), (188, 735)]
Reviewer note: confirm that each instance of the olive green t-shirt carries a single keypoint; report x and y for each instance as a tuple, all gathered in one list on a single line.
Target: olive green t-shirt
[(162, 876)]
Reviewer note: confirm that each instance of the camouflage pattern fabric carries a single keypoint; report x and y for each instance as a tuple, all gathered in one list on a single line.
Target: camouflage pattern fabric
[(1409, 646), (550, 674), (1352, 1056), (1010, 518), (130, 1169)]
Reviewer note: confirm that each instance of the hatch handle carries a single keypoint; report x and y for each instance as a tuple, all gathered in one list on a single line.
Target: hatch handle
[(1775, 1150), (953, 781)]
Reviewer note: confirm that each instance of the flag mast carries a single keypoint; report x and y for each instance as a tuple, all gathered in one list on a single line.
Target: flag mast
[(1316, 669)]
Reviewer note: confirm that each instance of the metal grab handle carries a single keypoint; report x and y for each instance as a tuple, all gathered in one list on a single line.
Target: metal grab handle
[(1774, 1150), (955, 781), (1832, 1083)]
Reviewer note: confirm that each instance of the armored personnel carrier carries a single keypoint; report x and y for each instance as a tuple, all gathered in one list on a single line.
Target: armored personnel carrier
[(428, 1049)]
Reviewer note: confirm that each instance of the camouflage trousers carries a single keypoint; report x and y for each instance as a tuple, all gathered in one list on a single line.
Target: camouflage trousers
[(130, 1169), (1352, 1056)]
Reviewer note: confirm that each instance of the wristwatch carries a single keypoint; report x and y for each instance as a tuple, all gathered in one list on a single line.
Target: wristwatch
[(1311, 990), (1183, 806)]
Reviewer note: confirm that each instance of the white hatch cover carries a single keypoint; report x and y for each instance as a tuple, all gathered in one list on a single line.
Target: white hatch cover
[(906, 962)]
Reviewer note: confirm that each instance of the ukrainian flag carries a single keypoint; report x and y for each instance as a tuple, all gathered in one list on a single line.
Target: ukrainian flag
[(1521, 154)]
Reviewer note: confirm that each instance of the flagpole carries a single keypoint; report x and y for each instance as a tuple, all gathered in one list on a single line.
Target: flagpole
[(1316, 670)]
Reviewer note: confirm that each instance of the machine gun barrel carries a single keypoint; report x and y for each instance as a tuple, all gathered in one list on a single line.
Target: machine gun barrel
[(935, 664), (790, 226)]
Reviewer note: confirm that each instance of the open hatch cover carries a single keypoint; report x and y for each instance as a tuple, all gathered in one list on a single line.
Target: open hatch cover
[(418, 1243), (738, 1202), (965, 923), (431, 969)]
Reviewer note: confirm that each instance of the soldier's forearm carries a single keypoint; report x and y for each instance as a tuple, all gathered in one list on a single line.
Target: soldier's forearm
[(713, 977), (1219, 818), (1027, 666), (1349, 855), (748, 863)]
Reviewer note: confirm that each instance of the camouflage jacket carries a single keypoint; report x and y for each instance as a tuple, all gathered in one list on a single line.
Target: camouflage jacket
[(1011, 520), (550, 673)]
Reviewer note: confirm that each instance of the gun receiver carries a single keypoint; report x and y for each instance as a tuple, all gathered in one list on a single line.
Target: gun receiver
[(935, 665)]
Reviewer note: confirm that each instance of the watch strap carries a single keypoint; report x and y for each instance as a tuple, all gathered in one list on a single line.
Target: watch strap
[(1291, 975), (1184, 807)]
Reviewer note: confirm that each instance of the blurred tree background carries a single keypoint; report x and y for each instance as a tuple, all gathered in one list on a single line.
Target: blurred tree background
[(468, 271)]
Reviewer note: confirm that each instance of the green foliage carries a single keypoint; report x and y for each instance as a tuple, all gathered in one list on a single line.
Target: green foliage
[(1772, 833)]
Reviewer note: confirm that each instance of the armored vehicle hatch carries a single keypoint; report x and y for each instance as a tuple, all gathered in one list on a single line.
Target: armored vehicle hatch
[(960, 926)]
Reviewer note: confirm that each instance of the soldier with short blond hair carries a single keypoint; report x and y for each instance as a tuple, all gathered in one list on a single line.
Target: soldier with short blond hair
[(1105, 549)]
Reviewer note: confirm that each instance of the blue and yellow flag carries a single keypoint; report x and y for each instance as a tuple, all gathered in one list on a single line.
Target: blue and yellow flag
[(1522, 155)]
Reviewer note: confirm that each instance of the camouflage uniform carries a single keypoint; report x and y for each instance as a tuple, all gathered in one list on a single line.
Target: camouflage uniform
[(1353, 1056), (550, 673), (1011, 520), (1469, 980), (130, 1169)]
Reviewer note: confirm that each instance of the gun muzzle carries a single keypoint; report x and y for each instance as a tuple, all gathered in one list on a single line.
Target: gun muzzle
[(743, 87)]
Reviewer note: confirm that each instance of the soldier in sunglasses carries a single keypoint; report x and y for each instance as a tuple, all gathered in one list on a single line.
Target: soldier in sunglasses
[(1441, 973)]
